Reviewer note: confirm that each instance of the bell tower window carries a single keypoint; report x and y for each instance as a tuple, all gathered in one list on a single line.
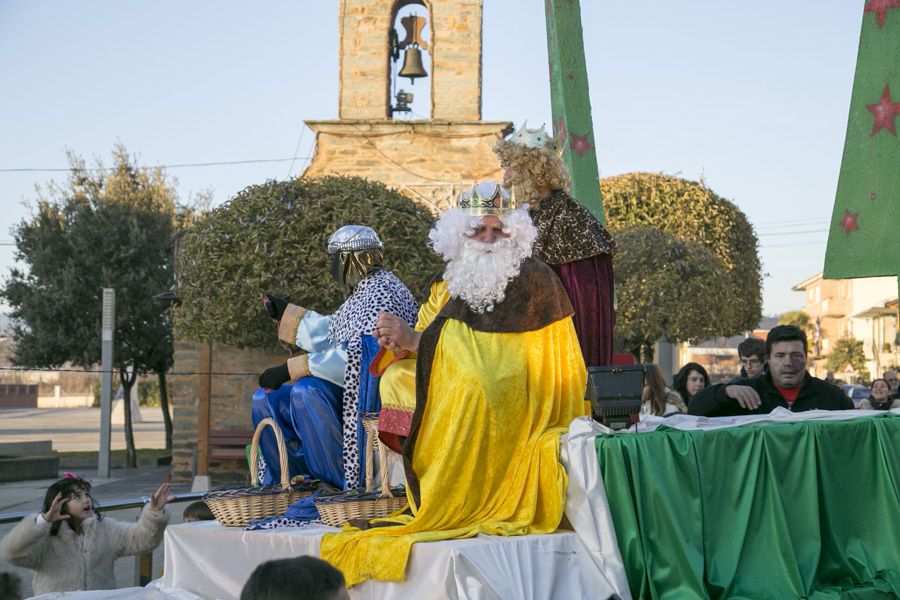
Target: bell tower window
[(410, 64)]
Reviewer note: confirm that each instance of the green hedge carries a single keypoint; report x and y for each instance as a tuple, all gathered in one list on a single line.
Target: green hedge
[(692, 212), (271, 238)]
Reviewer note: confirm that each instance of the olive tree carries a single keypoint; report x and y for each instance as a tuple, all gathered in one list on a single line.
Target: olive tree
[(104, 228)]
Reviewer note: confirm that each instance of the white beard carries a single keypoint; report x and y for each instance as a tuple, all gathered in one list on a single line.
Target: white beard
[(480, 273)]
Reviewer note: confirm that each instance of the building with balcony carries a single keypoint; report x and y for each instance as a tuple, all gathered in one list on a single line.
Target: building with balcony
[(864, 309)]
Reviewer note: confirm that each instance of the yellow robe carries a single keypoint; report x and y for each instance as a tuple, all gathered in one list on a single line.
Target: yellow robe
[(487, 451), (397, 386)]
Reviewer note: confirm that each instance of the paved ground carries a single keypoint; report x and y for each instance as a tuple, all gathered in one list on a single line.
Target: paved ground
[(77, 429)]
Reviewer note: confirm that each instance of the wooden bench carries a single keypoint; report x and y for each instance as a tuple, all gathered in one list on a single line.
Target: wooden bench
[(229, 444), (226, 444)]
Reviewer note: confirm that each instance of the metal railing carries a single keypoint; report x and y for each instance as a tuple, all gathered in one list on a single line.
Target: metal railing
[(143, 563)]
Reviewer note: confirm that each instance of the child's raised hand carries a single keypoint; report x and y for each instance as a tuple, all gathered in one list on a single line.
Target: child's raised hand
[(53, 514), (160, 497)]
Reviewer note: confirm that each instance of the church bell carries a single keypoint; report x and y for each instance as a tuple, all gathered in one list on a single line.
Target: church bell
[(412, 64)]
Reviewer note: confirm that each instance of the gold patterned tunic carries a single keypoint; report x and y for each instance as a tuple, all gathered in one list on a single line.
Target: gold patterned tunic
[(567, 231)]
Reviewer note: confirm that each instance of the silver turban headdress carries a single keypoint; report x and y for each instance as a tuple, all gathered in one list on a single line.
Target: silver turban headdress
[(356, 251)]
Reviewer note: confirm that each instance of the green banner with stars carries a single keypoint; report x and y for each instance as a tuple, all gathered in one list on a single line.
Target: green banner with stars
[(864, 236), (572, 124)]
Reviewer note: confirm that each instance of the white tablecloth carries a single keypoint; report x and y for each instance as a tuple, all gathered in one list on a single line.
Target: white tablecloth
[(132, 593), (214, 562)]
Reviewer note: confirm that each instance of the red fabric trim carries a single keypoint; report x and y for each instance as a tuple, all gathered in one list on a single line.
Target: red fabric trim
[(391, 440), (388, 357), (395, 420)]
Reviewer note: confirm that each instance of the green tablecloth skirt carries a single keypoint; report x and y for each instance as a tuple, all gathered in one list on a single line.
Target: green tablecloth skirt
[(796, 510)]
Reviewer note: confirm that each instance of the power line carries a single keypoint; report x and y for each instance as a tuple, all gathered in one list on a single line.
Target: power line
[(172, 166), (793, 232), (792, 245), (791, 221), (296, 151), (790, 225)]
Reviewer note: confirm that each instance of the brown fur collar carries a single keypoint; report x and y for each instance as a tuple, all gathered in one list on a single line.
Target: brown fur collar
[(534, 299)]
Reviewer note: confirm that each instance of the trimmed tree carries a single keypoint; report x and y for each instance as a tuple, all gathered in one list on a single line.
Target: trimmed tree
[(693, 213), (659, 280), (848, 350), (104, 229), (800, 319), (272, 238)]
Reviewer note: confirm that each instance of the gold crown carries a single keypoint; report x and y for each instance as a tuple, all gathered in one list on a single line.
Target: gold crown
[(487, 198)]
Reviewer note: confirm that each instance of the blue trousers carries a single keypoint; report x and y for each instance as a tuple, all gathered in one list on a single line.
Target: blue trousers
[(309, 414)]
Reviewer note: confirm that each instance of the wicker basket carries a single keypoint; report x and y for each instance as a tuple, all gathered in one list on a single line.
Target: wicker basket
[(236, 507), (337, 509)]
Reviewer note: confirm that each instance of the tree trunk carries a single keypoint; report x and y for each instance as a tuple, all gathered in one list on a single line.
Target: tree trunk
[(643, 352), (648, 352), (636, 352), (164, 403), (127, 379)]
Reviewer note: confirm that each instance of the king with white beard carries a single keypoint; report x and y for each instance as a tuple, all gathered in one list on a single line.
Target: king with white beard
[(497, 376), (483, 252)]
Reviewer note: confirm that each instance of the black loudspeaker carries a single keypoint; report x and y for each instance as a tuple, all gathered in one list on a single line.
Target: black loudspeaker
[(615, 394)]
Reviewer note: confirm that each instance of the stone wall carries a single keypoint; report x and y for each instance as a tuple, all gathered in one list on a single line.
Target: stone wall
[(427, 160), (455, 58), (233, 383)]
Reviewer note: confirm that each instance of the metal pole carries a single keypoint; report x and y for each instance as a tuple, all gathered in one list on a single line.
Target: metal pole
[(106, 362)]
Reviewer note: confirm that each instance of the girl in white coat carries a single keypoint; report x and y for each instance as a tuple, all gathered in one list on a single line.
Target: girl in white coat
[(70, 546)]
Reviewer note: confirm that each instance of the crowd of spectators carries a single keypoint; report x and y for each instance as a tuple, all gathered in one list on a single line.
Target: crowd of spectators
[(773, 373)]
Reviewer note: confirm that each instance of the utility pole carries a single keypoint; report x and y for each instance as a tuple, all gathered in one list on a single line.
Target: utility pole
[(572, 124), (106, 364)]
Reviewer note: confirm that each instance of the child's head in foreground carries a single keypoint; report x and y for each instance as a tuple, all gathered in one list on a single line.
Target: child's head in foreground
[(301, 578)]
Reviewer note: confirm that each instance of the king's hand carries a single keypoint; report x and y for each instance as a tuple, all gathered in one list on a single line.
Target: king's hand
[(395, 334)]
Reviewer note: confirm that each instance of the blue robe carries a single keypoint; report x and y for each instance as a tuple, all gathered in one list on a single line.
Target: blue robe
[(321, 415)]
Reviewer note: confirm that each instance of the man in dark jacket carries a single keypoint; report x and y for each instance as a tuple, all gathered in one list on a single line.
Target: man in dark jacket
[(786, 384)]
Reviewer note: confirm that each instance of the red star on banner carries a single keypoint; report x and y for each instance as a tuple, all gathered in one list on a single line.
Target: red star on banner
[(560, 127), (849, 222), (884, 112), (580, 144), (880, 8)]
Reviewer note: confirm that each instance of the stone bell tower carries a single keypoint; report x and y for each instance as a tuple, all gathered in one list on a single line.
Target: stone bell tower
[(377, 135)]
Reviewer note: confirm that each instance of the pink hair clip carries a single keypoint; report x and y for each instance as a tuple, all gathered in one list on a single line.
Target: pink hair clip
[(68, 475)]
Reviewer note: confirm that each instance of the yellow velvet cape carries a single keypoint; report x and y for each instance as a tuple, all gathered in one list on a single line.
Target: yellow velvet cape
[(397, 386), (487, 447)]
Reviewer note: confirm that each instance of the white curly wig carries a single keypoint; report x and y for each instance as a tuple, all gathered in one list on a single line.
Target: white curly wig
[(476, 271)]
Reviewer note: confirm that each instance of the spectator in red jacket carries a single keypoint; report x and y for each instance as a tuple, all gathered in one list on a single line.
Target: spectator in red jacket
[(787, 384)]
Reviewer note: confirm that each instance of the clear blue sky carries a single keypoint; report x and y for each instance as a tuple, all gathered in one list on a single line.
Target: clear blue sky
[(753, 96)]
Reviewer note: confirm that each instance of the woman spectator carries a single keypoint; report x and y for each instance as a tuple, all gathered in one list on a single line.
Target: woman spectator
[(880, 398), (657, 399), (689, 380)]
